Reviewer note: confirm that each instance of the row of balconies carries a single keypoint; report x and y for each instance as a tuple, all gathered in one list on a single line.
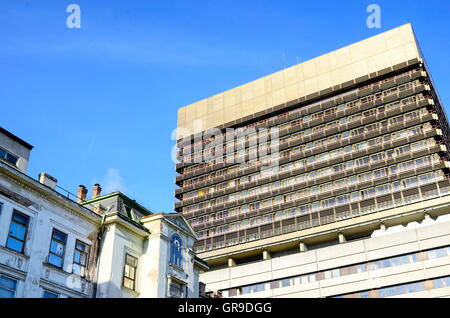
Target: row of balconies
[(326, 103), (336, 214), (352, 155), (300, 125), (280, 176), (201, 212), (327, 131), (334, 191), (359, 105), (354, 171), (327, 147)]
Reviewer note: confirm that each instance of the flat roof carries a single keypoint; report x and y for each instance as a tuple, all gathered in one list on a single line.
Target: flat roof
[(15, 138), (365, 57)]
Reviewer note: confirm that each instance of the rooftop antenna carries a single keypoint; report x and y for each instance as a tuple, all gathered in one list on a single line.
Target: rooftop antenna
[(284, 63)]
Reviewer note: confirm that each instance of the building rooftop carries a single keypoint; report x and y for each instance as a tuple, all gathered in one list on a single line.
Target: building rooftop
[(15, 138), (319, 74)]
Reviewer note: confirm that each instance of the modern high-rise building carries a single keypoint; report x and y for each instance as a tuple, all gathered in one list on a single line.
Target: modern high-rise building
[(339, 186)]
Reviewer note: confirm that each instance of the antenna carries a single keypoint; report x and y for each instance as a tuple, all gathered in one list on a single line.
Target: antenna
[(284, 63)]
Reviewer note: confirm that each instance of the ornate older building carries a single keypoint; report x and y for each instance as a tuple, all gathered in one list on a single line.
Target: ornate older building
[(108, 246), (358, 144)]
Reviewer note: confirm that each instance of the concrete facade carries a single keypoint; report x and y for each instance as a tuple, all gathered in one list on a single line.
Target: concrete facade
[(359, 142), (322, 263)]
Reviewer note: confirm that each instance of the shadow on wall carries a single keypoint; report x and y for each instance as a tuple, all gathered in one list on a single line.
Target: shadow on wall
[(110, 290)]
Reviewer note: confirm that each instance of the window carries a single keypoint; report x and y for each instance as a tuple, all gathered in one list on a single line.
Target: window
[(129, 272), (176, 290), (57, 248), (18, 232), (5, 155), (176, 257), (8, 287), (49, 294), (80, 258)]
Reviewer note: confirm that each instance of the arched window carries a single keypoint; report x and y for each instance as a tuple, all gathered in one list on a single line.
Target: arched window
[(176, 247)]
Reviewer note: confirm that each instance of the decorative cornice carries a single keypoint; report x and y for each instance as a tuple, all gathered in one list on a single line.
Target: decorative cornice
[(29, 184)]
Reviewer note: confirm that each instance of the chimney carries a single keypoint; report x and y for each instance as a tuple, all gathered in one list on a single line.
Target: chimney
[(81, 193), (96, 191), (47, 180)]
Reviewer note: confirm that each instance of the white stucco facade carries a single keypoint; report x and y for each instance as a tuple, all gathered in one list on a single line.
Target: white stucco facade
[(151, 246), (110, 247), (46, 211)]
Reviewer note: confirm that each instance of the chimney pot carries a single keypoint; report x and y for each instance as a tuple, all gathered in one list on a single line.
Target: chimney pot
[(96, 191), (81, 193)]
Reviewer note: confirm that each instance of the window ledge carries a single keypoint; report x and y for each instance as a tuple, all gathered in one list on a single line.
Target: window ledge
[(59, 269), (14, 252), (131, 291), (176, 267)]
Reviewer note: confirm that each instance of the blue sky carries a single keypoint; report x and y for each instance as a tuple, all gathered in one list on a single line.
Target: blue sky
[(99, 103)]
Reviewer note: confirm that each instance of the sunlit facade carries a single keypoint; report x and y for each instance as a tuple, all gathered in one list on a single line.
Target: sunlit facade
[(362, 142)]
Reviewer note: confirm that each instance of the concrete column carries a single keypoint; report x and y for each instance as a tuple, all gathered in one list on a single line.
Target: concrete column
[(231, 262), (266, 255), (426, 216), (342, 238), (303, 247), (383, 227)]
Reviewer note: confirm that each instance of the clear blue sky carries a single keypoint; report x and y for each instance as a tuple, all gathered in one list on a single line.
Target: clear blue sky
[(99, 103)]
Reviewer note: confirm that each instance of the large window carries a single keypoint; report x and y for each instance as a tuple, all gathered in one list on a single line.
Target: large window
[(18, 232), (57, 249), (80, 258), (8, 287), (129, 272), (176, 257)]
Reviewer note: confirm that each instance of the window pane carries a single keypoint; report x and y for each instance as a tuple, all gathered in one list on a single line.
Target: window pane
[(128, 283), (55, 260), (7, 287), (14, 244), (20, 218), (17, 230), (48, 294), (131, 260), (4, 293), (81, 246), (59, 236), (76, 257), (57, 248), (9, 283)]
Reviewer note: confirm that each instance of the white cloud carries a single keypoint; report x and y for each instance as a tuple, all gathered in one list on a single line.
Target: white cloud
[(111, 182)]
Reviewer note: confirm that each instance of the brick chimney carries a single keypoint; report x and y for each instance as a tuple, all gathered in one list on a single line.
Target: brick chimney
[(81, 193), (96, 191)]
